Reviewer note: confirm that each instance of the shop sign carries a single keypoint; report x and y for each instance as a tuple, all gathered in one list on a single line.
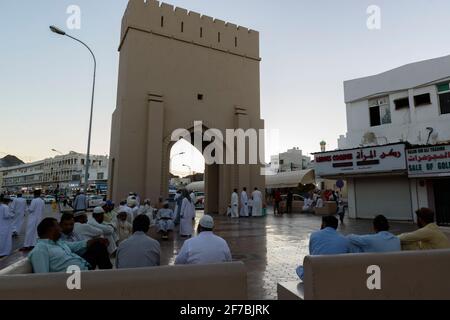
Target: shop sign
[(386, 158), (429, 161)]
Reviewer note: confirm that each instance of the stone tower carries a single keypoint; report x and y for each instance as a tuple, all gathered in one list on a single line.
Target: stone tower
[(177, 67)]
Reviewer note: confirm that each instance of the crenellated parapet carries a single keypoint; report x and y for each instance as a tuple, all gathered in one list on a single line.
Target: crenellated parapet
[(165, 20)]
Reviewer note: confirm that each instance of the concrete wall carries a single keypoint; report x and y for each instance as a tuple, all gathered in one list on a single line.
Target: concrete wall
[(407, 124), (167, 58)]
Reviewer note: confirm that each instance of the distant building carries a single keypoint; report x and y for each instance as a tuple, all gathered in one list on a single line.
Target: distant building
[(65, 172), (291, 160), (395, 156)]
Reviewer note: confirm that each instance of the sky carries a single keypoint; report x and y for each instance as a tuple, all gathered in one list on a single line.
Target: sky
[(308, 49)]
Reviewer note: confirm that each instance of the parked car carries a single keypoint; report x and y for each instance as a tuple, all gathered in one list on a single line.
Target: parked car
[(200, 200), (95, 201), (49, 199), (297, 203)]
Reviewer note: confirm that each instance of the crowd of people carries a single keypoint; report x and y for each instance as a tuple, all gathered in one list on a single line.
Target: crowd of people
[(246, 205), (119, 236), (328, 241), (109, 236)]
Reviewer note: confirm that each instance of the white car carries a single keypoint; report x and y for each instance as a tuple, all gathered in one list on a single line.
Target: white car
[(95, 201), (49, 199)]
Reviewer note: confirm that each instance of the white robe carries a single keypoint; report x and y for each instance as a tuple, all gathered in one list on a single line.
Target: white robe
[(257, 203), (109, 232), (18, 207), (187, 215), (244, 204), (148, 211), (6, 230), (234, 205), (34, 218)]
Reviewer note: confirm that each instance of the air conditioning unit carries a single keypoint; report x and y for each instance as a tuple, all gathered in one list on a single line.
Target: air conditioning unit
[(369, 138)]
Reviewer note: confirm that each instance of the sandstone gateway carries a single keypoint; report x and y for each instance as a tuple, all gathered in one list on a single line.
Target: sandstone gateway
[(177, 67)]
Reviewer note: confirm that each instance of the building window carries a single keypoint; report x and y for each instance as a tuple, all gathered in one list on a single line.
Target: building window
[(235, 42), (218, 37), (422, 100), (379, 112), (444, 98), (401, 103), (100, 176), (201, 32), (182, 26), (162, 21), (82, 162), (200, 97)]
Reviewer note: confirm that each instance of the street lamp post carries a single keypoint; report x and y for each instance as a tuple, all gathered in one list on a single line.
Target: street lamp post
[(171, 158), (190, 169), (63, 33)]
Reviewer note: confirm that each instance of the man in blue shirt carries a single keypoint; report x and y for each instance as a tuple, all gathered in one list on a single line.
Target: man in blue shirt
[(327, 241), (51, 254), (381, 241)]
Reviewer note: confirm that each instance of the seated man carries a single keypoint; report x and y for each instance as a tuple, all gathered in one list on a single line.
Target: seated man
[(82, 229), (109, 231), (165, 221), (381, 241), (428, 237), (52, 254), (327, 241), (139, 251), (96, 255), (206, 248)]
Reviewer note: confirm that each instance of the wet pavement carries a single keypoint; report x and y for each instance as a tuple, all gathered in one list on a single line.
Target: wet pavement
[(271, 247)]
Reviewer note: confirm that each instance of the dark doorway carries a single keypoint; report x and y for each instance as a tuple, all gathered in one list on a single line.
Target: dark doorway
[(442, 201)]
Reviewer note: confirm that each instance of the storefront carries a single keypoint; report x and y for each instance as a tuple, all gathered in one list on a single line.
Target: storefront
[(429, 171), (376, 177)]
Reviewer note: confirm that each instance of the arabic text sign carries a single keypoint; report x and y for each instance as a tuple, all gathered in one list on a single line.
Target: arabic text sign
[(429, 161), (364, 160)]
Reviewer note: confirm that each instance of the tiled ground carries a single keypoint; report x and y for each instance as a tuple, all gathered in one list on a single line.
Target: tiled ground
[(271, 247)]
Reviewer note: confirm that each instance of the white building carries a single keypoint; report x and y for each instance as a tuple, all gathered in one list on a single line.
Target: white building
[(395, 156), (65, 172), (28, 175), (291, 160)]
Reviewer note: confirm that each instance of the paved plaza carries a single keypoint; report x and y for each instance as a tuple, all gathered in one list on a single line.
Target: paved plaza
[(271, 247)]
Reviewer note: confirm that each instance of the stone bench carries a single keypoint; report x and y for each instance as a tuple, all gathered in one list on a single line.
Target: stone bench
[(227, 281), (413, 275)]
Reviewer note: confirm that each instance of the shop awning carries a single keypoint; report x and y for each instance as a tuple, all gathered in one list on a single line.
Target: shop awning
[(290, 179)]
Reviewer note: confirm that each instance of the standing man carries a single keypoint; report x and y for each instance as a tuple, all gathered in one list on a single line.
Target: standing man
[(193, 197), (257, 203), (206, 248), (18, 207), (187, 216), (80, 203), (244, 203), (6, 226), (289, 199), (34, 218), (235, 204), (179, 202), (277, 201)]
